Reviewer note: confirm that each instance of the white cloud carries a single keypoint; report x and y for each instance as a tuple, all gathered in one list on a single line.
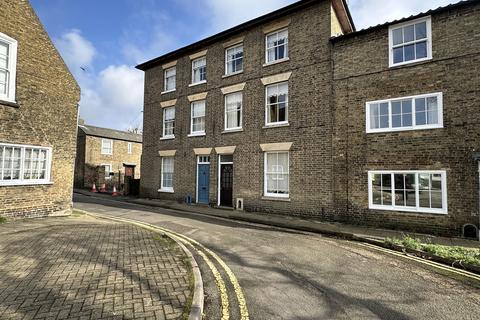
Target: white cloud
[(372, 12), (111, 98), (76, 50)]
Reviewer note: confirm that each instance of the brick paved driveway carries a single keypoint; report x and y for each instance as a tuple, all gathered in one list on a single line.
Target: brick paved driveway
[(84, 268)]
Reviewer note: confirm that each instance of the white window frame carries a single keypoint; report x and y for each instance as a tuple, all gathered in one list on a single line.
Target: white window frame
[(265, 180), (227, 60), (428, 21), (107, 176), (12, 68), (287, 56), (162, 188), (417, 209), (22, 181), (164, 135), (165, 89), (193, 71), (438, 95), (129, 148), (267, 105), (202, 132), (111, 147), (225, 112)]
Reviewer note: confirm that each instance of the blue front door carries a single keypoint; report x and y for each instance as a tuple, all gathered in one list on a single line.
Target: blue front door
[(203, 183)]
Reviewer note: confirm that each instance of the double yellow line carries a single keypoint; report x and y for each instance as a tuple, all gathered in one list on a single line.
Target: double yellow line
[(205, 253)]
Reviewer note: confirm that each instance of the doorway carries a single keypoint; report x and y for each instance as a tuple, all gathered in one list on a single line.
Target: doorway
[(225, 183), (203, 179)]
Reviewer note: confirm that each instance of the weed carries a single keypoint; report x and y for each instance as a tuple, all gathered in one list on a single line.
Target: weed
[(456, 253)]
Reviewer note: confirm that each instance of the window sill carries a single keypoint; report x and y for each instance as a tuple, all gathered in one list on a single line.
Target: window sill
[(232, 130), (166, 190), (167, 138), (106, 154), (418, 128), (200, 134), (401, 64), (197, 83), (280, 125), (22, 184), (168, 91), (232, 74), (9, 103), (276, 62), (407, 210), (272, 198)]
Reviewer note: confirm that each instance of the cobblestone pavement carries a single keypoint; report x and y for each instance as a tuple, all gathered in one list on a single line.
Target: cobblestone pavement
[(84, 268)]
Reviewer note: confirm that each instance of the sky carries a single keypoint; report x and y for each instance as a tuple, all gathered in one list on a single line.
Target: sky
[(101, 41)]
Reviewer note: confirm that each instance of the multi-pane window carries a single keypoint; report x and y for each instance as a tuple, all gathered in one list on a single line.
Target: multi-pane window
[(277, 174), (233, 111), (198, 117), (234, 59), (129, 148), (167, 174), (408, 191), (24, 164), (107, 146), (277, 46), (108, 169), (410, 42), (409, 113), (170, 79), (199, 70), (277, 103), (169, 122), (8, 57)]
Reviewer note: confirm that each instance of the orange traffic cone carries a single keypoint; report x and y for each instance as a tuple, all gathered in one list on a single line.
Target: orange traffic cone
[(103, 188), (94, 188), (114, 193)]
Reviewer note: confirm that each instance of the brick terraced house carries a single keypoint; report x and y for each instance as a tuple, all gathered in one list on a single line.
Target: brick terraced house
[(116, 152), (297, 113), (38, 118)]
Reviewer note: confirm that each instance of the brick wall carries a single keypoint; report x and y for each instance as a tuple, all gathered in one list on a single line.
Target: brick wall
[(309, 119), (47, 97), (331, 152), (362, 74), (91, 157)]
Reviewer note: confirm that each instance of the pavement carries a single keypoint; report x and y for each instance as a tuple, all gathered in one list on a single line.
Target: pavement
[(80, 267), (311, 225), (254, 271)]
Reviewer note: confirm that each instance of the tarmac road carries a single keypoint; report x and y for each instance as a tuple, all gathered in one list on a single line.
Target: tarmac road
[(285, 274)]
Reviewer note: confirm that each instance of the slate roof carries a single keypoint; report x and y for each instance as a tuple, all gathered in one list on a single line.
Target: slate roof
[(110, 133)]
